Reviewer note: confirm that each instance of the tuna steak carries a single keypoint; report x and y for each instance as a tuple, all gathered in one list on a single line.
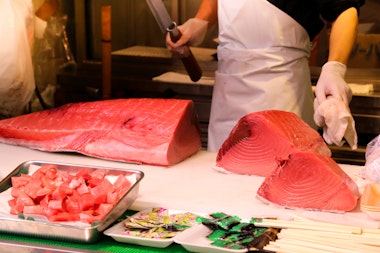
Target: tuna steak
[(261, 140), (310, 181), (150, 131)]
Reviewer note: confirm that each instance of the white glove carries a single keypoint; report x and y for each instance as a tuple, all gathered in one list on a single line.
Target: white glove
[(193, 33), (331, 110), (331, 83), (335, 117)]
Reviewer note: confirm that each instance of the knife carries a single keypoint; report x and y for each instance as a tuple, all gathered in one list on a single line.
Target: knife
[(166, 24)]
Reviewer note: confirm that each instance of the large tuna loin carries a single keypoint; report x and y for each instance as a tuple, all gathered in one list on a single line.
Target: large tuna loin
[(262, 140), (310, 181), (149, 131)]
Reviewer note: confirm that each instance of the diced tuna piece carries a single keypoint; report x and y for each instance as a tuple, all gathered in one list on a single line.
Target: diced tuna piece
[(310, 181), (261, 140)]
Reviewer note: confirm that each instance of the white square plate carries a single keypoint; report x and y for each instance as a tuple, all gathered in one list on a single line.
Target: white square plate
[(117, 232)]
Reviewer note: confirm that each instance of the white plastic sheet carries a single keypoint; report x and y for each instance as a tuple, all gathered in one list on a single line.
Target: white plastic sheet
[(16, 69), (371, 170)]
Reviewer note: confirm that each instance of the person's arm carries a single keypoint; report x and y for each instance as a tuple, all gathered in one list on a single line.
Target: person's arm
[(47, 9), (333, 95), (343, 35), (208, 10), (331, 82)]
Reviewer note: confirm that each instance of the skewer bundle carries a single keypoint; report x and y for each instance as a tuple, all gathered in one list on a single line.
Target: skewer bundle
[(302, 235)]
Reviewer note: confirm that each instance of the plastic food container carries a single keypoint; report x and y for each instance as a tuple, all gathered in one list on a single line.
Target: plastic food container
[(370, 201)]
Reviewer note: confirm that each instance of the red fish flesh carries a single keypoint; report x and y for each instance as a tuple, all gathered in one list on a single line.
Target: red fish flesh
[(149, 131), (261, 140), (310, 181)]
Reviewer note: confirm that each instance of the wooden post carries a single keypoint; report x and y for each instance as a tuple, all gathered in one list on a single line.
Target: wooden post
[(106, 51)]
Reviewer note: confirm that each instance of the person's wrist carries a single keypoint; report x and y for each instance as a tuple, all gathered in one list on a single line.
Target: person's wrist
[(336, 67), (199, 22), (198, 30)]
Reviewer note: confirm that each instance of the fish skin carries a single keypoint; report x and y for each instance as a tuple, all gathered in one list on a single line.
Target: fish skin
[(310, 181), (142, 130), (260, 141)]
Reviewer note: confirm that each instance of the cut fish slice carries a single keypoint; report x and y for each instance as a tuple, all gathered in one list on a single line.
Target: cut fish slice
[(150, 131), (310, 181), (261, 141)]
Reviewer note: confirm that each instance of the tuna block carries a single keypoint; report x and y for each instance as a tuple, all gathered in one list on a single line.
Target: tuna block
[(310, 181), (261, 141), (149, 131)]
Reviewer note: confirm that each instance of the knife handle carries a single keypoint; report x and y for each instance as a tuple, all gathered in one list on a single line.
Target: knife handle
[(191, 65)]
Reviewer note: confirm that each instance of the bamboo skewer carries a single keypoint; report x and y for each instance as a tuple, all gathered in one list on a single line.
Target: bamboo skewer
[(367, 239), (303, 246), (375, 231), (354, 246), (363, 230), (310, 225), (292, 249), (285, 245)]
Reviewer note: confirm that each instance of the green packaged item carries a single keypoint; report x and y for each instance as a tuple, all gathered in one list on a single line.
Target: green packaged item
[(217, 234)]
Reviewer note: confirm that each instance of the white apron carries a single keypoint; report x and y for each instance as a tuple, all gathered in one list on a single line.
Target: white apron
[(262, 65)]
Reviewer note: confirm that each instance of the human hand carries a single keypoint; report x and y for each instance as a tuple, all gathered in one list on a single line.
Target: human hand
[(334, 116), (331, 110), (331, 83), (193, 33)]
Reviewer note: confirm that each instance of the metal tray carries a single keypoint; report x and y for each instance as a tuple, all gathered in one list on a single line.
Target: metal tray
[(60, 230)]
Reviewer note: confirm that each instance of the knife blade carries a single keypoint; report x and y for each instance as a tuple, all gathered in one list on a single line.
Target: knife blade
[(166, 24)]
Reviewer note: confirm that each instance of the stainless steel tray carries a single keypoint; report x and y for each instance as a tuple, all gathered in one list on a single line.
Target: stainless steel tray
[(60, 230)]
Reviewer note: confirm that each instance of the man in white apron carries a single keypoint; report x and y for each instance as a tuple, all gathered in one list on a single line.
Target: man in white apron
[(263, 59)]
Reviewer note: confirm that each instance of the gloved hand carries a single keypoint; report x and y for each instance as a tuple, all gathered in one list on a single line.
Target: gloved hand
[(334, 116), (193, 33), (331, 83), (331, 110)]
